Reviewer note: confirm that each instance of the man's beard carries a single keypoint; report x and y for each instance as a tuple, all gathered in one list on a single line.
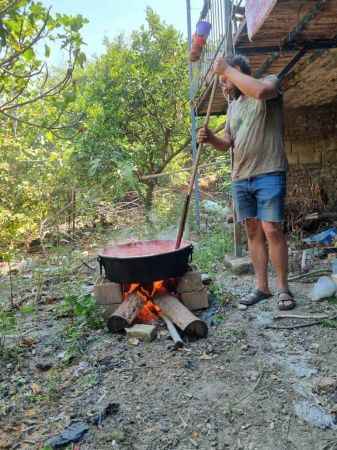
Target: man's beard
[(236, 93)]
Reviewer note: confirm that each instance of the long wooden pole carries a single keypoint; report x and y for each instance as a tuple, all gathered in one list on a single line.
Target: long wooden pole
[(195, 168), (229, 51)]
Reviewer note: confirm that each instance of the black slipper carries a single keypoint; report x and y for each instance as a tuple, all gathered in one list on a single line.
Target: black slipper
[(286, 300), (254, 297)]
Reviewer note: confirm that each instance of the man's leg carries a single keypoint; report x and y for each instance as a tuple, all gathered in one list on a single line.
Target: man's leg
[(258, 253), (278, 251)]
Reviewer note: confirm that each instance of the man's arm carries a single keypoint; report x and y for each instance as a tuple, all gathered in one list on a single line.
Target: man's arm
[(250, 86), (205, 136)]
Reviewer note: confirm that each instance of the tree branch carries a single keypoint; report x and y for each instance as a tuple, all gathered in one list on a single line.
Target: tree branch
[(49, 93), (35, 125), (7, 8), (29, 75), (18, 53), (174, 154)]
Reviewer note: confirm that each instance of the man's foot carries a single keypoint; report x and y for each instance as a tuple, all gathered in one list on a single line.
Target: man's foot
[(285, 300), (255, 297)]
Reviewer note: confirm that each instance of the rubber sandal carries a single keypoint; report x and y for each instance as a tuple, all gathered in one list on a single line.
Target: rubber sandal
[(254, 297), (285, 300)]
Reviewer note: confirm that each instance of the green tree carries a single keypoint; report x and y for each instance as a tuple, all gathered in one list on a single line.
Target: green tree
[(135, 99), (34, 112), (28, 33)]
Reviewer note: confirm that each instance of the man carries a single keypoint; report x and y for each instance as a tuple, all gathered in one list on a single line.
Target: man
[(255, 131)]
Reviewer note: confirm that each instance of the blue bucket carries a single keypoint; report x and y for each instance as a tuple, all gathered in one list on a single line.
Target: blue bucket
[(204, 28)]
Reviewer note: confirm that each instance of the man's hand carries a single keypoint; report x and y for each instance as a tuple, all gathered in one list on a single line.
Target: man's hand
[(220, 66), (205, 136)]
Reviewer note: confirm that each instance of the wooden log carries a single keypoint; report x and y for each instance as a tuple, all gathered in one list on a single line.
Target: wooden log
[(125, 314), (178, 342), (187, 322)]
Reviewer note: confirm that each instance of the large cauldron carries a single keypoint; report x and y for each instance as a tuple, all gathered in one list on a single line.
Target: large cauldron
[(145, 261)]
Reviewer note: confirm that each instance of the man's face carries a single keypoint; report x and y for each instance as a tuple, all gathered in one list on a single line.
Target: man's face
[(228, 88)]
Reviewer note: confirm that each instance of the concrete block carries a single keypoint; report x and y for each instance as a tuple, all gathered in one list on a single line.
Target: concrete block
[(195, 300), (192, 292), (107, 292), (109, 296), (146, 333), (239, 266), (190, 281)]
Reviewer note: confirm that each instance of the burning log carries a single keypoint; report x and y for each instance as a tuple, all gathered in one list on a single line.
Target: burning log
[(178, 342), (126, 313), (172, 308)]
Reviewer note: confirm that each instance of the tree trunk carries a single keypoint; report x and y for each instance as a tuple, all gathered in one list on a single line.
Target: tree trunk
[(148, 200)]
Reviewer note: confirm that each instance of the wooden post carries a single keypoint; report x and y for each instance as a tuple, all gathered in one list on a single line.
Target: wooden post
[(229, 51)]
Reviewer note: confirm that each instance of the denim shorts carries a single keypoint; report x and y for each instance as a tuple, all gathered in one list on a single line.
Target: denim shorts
[(261, 197)]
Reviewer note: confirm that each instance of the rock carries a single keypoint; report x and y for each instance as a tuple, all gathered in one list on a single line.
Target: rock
[(44, 366), (110, 409), (73, 433), (164, 427), (146, 333), (206, 279), (242, 307), (325, 385), (117, 435), (33, 245), (239, 266)]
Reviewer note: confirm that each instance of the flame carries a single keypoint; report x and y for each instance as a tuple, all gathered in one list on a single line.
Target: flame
[(147, 292)]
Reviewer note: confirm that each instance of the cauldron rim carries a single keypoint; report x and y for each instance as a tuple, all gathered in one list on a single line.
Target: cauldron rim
[(184, 245)]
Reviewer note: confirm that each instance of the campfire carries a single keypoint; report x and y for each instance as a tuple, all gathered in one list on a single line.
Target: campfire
[(171, 299), (150, 302)]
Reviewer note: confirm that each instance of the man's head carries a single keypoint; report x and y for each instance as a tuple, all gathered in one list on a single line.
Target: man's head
[(240, 63)]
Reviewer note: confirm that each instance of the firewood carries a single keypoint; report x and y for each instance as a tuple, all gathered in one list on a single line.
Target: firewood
[(178, 342), (187, 322), (125, 314)]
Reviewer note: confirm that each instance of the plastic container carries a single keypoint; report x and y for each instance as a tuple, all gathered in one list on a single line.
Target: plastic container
[(324, 287), (325, 237), (203, 28)]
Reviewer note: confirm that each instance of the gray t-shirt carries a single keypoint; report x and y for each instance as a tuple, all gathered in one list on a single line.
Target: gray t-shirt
[(256, 128)]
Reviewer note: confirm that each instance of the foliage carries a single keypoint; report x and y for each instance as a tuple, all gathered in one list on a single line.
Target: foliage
[(136, 110), (26, 27), (83, 308), (7, 325), (33, 114), (211, 250)]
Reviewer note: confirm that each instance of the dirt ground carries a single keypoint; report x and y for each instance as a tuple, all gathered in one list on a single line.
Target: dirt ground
[(247, 386)]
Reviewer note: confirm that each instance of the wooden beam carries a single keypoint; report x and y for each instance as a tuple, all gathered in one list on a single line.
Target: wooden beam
[(299, 28), (317, 44)]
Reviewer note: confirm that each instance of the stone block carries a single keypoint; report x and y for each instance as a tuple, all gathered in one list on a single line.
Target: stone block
[(190, 281), (109, 296), (146, 333), (192, 292), (239, 266), (195, 300)]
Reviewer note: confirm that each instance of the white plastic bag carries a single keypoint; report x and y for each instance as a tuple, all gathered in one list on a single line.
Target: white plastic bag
[(324, 287)]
